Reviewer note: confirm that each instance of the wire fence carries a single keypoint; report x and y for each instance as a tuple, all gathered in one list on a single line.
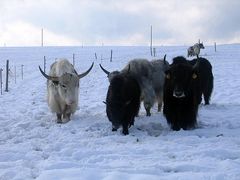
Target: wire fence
[(78, 56), (12, 72)]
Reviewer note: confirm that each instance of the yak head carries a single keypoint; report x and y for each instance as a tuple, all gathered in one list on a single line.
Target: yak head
[(181, 78), (67, 85), (201, 46), (112, 74)]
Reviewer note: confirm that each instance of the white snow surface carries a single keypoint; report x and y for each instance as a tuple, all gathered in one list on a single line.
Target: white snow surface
[(34, 146)]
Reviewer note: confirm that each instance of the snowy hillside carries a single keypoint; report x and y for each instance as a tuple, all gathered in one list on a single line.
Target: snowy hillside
[(34, 146)]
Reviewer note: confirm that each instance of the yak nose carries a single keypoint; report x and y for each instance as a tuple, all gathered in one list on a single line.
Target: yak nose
[(178, 94), (71, 102)]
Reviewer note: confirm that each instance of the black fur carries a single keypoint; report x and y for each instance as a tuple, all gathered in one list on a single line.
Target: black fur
[(206, 78), (181, 111), (123, 101)]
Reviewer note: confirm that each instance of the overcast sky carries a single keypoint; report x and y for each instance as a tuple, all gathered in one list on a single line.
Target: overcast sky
[(118, 22)]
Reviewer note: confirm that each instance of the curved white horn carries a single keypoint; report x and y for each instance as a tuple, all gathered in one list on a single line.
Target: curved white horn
[(104, 70), (48, 77), (85, 73)]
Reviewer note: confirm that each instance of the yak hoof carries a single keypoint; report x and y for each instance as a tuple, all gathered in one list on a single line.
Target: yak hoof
[(148, 114), (176, 128), (59, 121), (125, 132), (59, 118)]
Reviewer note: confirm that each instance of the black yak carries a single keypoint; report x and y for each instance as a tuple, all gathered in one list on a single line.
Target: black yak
[(142, 71), (181, 94), (205, 78), (123, 101)]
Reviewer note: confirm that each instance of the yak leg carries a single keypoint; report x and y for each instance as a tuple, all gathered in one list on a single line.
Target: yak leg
[(159, 106), (125, 128), (207, 92), (175, 127), (66, 113), (160, 100), (114, 128), (67, 116), (147, 108), (59, 118)]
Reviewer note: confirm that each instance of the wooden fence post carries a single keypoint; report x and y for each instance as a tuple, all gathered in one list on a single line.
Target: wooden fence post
[(96, 56), (215, 47), (151, 42), (111, 55), (22, 71), (73, 59), (154, 52), (15, 74), (1, 70), (44, 64), (7, 73)]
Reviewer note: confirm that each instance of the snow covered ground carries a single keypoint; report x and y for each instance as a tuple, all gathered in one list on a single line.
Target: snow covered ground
[(34, 146)]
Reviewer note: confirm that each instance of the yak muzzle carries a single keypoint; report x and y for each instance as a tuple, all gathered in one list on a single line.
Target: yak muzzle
[(179, 94)]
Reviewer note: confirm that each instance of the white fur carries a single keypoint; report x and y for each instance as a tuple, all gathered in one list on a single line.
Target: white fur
[(63, 100), (146, 73), (159, 68), (194, 50)]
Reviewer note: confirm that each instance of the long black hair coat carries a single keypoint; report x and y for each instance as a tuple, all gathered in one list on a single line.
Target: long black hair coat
[(123, 101)]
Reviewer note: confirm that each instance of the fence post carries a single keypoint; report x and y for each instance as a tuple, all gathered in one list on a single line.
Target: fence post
[(44, 64), (154, 52), (73, 59), (22, 71), (7, 73), (15, 74), (111, 55), (215, 46), (151, 41), (1, 70), (96, 56)]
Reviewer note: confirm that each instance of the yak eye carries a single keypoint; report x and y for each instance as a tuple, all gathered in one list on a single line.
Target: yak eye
[(63, 86), (194, 76), (168, 76)]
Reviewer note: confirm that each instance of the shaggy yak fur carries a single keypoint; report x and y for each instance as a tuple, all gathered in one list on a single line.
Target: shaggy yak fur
[(123, 101), (181, 94), (205, 78)]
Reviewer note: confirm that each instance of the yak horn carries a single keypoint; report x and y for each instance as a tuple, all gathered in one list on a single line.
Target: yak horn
[(164, 59), (104, 70), (196, 65), (128, 71), (85, 73), (48, 77)]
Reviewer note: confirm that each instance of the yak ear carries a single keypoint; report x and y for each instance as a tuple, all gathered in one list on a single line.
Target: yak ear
[(194, 75), (128, 102), (55, 83), (167, 74)]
